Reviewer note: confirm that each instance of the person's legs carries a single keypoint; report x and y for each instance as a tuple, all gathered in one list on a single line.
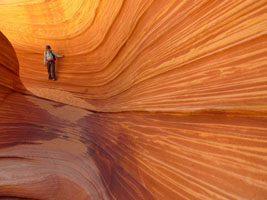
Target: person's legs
[(53, 71), (49, 70)]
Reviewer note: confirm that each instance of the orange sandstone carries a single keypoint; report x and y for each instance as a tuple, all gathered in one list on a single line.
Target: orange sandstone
[(154, 100)]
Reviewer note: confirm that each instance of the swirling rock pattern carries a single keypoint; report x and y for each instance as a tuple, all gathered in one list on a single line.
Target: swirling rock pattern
[(177, 93), (70, 153), (9, 66), (143, 55)]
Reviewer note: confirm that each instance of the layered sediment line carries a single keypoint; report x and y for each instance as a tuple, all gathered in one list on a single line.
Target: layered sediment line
[(143, 55), (154, 100)]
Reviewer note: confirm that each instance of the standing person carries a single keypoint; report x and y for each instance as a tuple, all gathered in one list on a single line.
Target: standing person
[(49, 60)]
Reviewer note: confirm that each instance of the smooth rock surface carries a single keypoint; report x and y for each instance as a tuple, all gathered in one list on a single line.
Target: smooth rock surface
[(154, 100), (125, 55)]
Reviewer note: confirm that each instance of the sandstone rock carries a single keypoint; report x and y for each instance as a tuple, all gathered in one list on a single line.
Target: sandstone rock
[(154, 100)]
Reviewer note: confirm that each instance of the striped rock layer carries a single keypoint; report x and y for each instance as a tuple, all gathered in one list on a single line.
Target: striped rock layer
[(155, 99)]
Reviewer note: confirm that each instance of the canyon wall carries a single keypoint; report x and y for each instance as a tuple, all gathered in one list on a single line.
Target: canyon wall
[(154, 99)]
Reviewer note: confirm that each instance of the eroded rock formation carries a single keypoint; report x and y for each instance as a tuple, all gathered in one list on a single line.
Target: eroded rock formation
[(154, 100)]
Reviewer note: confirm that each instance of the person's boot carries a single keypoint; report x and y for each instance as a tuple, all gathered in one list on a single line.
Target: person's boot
[(49, 78), (54, 78)]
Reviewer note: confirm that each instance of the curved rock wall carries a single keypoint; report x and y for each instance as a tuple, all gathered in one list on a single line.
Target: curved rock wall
[(9, 66), (143, 55), (199, 68), (35, 150)]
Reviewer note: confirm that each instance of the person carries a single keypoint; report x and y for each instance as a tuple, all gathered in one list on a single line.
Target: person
[(49, 60)]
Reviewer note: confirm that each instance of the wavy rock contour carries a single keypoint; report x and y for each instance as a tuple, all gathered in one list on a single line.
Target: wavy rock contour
[(154, 100)]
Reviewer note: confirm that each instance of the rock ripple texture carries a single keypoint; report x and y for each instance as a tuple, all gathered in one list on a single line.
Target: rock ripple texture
[(155, 99)]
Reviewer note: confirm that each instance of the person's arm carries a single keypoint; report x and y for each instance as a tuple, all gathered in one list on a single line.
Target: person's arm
[(44, 58), (59, 56)]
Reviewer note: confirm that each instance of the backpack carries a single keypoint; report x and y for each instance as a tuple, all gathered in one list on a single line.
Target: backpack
[(54, 57)]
